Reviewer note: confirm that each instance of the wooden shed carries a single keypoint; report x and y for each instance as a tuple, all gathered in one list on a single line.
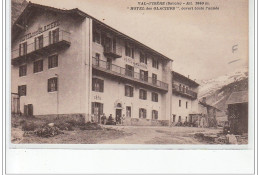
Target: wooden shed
[(238, 112)]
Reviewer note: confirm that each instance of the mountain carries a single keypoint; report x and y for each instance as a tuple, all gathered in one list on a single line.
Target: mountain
[(17, 6), (218, 90)]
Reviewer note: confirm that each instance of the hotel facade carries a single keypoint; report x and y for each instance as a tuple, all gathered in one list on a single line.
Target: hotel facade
[(67, 63)]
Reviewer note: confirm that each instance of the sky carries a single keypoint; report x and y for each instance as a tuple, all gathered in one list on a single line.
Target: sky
[(199, 42)]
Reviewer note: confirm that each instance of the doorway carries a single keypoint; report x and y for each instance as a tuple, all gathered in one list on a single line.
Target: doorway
[(118, 115)]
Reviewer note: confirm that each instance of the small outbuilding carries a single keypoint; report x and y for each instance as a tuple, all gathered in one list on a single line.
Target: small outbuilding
[(237, 106)]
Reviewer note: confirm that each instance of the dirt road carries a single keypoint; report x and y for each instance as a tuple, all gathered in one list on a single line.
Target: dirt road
[(158, 135)]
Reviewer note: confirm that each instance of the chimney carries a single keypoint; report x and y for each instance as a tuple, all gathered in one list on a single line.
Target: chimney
[(204, 99)]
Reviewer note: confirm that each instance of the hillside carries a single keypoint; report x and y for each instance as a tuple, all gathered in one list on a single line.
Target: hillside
[(218, 90), (17, 6)]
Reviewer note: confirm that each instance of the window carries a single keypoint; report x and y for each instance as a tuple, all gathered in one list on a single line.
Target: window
[(154, 114), (180, 87), (129, 91), (22, 90), (186, 105), (22, 70), (154, 78), (128, 111), (38, 42), (97, 85), (143, 58), (143, 94), (96, 108), (142, 113), (52, 84), (144, 75), (53, 61), (22, 49), (179, 119), (54, 36), (38, 66), (97, 37), (129, 50), (173, 118), (97, 59), (155, 63), (154, 97), (179, 103), (129, 70)]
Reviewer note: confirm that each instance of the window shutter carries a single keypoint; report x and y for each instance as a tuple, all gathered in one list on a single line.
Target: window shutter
[(20, 49), (92, 108), (101, 108), (102, 85), (24, 90), (57, 35), (25, 48), (50, 37), (35, 43), (93, 84), (133, 52), (49, 85), (56, 83), (19, 90), (144, 113), (140, 112)]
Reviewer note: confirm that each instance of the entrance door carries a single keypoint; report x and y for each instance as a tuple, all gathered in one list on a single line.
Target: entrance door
[(118, 115)]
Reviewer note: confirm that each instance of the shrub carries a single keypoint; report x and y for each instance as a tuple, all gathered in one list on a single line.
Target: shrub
[(47, 131), (64, 126), (90, 126), (29, 126)]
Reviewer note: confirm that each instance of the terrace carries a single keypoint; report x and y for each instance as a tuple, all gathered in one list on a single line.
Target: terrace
[(129, 75)]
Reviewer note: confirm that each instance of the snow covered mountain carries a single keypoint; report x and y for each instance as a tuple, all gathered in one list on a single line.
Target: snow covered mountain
[(218, 90), (208, 87)]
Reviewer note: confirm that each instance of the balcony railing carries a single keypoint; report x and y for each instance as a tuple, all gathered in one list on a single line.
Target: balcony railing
[(128, 74), (115, 52), (45, 44), (184, 91)]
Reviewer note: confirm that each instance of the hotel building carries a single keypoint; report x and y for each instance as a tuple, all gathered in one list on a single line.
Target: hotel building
[(68, 63)]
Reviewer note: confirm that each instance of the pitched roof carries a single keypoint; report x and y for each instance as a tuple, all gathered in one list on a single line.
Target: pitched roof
[(208, 105), (184, 79), (238, 97), (79, 13)]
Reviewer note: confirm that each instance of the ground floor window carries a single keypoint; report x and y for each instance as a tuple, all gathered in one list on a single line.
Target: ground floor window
[(179, 119), (173, 118), (154, 114), (96, 111), (128, 111), (142, 113)]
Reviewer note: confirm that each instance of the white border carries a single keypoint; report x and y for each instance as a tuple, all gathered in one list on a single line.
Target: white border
[(129, 161)]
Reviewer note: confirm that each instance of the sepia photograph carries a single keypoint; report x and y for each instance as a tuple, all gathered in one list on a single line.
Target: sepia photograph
[(129, 72)]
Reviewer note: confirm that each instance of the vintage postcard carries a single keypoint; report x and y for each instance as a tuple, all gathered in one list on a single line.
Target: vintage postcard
[(130, 72)]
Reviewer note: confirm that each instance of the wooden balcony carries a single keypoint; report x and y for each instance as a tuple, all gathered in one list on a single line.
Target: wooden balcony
[(184, 92), (115, 52), (45, 47), (134, 77)]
